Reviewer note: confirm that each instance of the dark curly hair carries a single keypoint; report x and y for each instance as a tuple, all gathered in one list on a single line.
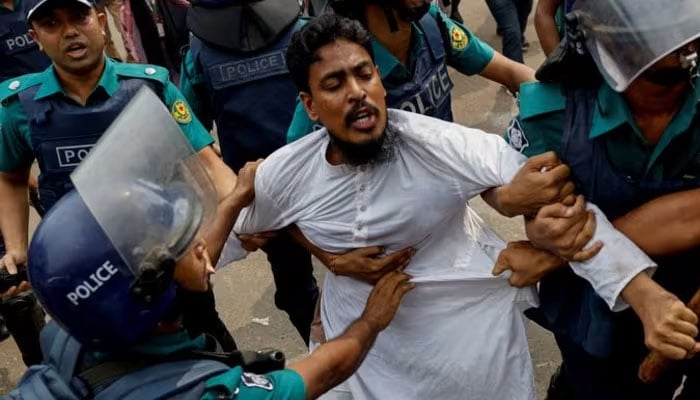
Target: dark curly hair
[(320, 31)]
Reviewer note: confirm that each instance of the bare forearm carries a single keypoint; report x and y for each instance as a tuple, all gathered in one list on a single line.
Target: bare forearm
[(667, 225), (546, 27), (508, 72), (302, 240), (224, 179), (497, 198), (226, 216), (14, 210), (334, 361)]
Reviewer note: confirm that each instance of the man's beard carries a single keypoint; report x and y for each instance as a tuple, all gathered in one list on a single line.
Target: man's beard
[(378, 151)]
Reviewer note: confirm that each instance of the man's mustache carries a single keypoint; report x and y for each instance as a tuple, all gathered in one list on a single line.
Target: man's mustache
[(350, 115)]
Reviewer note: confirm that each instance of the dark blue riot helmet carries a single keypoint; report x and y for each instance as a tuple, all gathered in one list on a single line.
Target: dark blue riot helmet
[(241, 25), (102, 259)]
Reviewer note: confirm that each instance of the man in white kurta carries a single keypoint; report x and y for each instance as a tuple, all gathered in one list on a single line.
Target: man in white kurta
[(459, 334), (374, 177)]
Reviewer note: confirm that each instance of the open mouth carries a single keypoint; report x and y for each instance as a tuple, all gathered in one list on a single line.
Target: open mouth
[(76, 50), (363, 119)]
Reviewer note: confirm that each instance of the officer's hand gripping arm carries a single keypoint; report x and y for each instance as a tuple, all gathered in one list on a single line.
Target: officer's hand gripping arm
[(367, 264)]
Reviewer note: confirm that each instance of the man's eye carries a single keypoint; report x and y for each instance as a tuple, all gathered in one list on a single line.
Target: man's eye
[(48, 23), (331, 86)]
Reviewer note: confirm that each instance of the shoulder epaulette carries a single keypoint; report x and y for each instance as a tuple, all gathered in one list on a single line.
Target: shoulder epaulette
[(14, 86), (145, 71), (538, 98)]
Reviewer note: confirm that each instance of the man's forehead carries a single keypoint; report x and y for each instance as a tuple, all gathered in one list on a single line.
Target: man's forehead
[(342, 52)]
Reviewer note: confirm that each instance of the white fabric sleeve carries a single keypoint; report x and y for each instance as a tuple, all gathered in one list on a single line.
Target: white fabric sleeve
[(263, 214), (615, 265), (478, 160)]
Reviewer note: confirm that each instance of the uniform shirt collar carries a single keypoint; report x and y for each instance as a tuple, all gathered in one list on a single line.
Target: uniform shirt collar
[(390, 65), (51, 85), (612, 111)]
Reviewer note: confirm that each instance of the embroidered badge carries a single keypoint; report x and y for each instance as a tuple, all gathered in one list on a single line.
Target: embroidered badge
[(459, 38), (516, 136), (180, 112), (259, 381)]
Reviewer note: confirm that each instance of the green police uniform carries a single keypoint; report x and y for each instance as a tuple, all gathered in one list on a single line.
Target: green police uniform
[(468, 55), (614, 166), (279, 385), (538, 129), (16, 150)]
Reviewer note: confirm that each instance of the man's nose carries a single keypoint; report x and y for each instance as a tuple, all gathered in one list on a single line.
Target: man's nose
[(356, 91)]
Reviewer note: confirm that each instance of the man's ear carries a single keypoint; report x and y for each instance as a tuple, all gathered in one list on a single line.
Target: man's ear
[(102, 19), (308, 102), (35, 38)]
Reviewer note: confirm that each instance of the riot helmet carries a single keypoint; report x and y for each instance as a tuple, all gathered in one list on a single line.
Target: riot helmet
[(627, 37), (241, 25), (102, 259)]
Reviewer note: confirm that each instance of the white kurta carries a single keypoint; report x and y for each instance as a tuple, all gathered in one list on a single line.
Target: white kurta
[(460, 333)]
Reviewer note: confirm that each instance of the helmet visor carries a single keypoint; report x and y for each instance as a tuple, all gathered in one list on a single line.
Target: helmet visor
[(145, 186), (625, 37)]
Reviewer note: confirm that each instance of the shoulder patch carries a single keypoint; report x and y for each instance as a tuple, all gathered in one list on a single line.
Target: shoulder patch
[(146, 71), (259, 381), (458, 38), (181, 113), (516, 136), (13, 86)]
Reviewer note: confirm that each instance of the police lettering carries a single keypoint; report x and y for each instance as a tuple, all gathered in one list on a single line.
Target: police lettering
[(249, 70), (432, 94), (19, 42), (72, 156), (91, 285)]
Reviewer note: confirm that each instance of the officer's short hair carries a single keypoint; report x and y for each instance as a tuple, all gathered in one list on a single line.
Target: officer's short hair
[(320, 31)]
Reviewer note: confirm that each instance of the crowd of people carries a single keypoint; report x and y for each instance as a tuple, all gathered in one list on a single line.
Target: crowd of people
[(336, 139)]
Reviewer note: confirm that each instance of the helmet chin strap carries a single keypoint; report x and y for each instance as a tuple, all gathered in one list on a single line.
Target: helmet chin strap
[(689, 61)]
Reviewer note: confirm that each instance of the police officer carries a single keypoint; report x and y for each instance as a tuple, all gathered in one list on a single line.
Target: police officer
[(133, 242), (629, 132), (413, 44), (244, 82), (19, 55), (56, 116)]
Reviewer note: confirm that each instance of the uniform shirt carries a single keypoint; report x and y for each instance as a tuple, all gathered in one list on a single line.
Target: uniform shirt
[(468, 55), (538, 129), (278, 385), (418, 199), (16, 151)]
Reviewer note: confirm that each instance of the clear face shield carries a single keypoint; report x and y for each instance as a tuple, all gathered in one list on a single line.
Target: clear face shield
[(627, 37), (146, 188)]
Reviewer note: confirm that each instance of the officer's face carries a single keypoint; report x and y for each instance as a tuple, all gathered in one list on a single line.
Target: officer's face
[(347, 95), (72, 36), (193, 269)]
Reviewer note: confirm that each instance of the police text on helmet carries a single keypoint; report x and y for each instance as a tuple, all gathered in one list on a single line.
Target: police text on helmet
[(90, 286)]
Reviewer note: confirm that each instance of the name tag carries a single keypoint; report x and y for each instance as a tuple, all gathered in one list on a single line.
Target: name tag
[(249, 70)]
